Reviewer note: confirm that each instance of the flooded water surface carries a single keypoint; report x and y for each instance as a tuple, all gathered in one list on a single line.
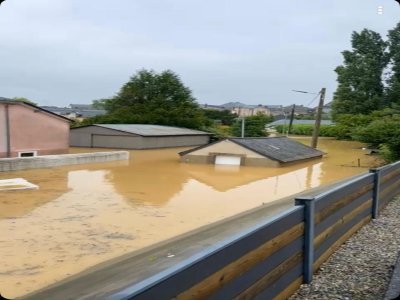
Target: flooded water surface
[(83, 215)]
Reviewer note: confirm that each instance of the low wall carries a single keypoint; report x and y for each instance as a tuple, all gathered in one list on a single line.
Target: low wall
[(48, 161)]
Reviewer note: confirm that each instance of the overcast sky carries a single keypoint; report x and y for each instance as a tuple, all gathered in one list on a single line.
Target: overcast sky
[(57, 52)]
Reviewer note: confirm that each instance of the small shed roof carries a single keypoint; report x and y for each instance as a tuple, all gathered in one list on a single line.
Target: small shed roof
[(152, 130), (281, 149)]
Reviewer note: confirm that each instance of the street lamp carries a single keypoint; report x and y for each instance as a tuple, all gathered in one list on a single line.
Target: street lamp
[(317, 125)]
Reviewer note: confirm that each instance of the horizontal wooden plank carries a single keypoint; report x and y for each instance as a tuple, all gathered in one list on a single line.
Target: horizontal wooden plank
[(389, 183), (388, 197), (290, 289), (389, 189), (282, 283), (261, 285), (235, 287), (389, 168), (331, 239), (233, 270), (331, 196), (342, 202), (322, 258), (330, 220), (176, 280), (319, 239)]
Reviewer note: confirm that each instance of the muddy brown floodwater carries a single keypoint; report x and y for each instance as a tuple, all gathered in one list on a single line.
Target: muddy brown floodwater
[(83, 215)]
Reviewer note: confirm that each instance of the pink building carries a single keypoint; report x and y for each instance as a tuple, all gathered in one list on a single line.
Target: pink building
[(28, 130)]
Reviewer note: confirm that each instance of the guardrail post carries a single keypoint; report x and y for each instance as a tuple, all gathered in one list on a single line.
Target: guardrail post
[(375, 195), (309, 211)]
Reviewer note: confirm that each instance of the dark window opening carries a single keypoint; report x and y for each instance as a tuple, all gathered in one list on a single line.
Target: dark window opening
[(27, 154)]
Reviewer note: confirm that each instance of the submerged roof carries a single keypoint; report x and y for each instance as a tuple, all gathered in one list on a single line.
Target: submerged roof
[(151, 130), (281, 149)]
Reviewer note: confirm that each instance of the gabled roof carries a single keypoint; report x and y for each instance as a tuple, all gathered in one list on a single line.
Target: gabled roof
[(150, 130), (281, 149), (37, 108)]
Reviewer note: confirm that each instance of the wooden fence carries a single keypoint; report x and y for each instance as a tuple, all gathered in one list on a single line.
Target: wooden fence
[(271, 260)]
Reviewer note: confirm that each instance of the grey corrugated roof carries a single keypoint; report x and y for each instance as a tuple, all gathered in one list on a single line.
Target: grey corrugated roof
[(281, 149), (152, 130)]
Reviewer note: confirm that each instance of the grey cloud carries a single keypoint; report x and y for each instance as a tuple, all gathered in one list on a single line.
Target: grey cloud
[(69, 51)]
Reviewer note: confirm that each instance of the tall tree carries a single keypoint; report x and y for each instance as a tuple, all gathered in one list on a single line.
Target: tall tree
[(226, 117), (254, 126), (154, 98), (393, 88), (360, 87)]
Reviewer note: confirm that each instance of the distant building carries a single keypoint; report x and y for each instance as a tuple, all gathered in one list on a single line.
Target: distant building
[(299, 110), (244, 110), (299, 122), (327, 108), (77, 112), (266, 152), (212, 107), (29, 130), (136, 136), (81, 106)]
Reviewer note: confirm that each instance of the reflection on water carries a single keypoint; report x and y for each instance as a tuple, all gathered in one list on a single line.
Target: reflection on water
[(83, 215)]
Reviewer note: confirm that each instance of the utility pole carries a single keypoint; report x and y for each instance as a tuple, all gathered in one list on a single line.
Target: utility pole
[(291, 119), (243, 127), (314, 141)]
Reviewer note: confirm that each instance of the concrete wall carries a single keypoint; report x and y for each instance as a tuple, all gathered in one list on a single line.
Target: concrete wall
[(207, 155), (82, 137), (93, 136), (3, 131), (23, 163), (33, 130)]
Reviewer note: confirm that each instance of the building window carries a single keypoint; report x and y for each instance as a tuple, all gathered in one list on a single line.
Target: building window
[(27, 154)]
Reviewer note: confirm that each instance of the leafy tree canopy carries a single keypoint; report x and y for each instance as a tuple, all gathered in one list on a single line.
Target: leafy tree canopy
[(153, 98), (393, 88), (360, 87), (254, 126), (225, 116)]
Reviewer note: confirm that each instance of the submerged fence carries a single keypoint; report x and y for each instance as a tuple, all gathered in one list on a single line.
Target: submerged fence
[(271, 260)]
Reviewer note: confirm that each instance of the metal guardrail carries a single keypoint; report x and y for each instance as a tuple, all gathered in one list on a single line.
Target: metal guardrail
[(269, 260), (273, 259)]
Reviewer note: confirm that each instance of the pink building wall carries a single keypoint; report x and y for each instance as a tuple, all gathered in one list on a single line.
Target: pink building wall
[(33, 130)]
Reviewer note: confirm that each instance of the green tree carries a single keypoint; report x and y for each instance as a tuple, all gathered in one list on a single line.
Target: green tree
[(254, 126), (383, 133), (153, 98), (393, 88), (100, 103), (22, 99), (224, 116), (360, 87)]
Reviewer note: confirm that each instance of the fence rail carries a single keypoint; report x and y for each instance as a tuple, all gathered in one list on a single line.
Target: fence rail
[(272, 259)]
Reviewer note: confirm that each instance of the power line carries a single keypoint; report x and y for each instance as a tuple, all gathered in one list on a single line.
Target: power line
[(308, 105)]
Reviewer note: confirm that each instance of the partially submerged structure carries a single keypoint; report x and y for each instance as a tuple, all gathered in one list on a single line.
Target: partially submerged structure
[(28, 130), (136, 136), (267, 152)]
